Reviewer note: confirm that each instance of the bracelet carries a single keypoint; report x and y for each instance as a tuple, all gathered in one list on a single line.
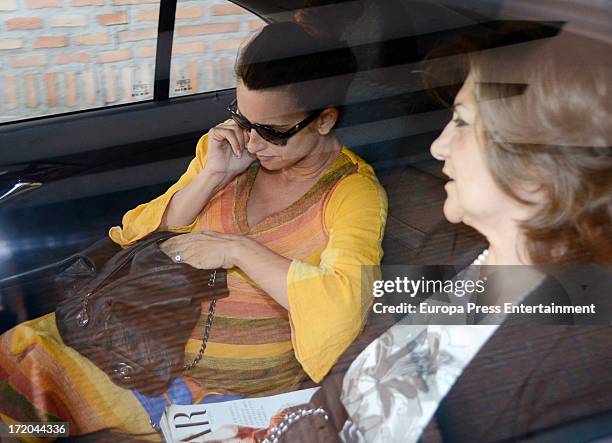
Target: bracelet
[(277, 431)]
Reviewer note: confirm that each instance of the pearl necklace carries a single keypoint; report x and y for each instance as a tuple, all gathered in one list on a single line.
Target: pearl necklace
[(481, 258)]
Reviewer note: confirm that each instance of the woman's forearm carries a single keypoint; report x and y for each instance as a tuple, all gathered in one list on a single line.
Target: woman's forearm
[(265, 267), (187, 203)]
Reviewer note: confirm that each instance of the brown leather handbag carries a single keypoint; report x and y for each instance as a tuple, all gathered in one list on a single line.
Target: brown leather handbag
[(131, 311)]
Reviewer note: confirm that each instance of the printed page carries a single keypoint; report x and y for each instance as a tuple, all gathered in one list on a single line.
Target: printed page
[(255, 412), (214, 421)]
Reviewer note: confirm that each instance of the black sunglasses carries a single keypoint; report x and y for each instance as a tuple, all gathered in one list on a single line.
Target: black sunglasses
[(268, 133)]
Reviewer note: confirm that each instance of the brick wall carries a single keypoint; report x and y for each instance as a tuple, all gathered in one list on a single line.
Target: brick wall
[(66, 55)]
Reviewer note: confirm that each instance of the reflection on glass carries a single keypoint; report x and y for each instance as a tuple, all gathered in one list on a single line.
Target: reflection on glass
[(206, 40), (60, 57)]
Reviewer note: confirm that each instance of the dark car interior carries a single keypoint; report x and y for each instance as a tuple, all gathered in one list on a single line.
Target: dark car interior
[(65, 179)]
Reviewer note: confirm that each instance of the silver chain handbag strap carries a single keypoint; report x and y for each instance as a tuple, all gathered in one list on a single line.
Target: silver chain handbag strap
[(207, 327)]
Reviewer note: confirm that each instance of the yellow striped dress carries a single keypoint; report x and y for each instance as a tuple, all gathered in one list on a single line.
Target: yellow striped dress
[(333, 236)]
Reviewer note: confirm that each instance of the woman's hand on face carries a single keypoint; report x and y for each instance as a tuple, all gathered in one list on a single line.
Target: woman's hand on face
[(203, 250), (227, 154)]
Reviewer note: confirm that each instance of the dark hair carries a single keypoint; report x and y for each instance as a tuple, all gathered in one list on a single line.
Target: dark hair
[(316, 70)]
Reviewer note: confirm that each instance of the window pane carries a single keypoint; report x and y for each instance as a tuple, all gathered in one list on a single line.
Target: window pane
[(207, 36), (60, 56)]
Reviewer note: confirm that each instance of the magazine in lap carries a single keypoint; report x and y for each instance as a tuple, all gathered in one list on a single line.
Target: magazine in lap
[(230, 419)]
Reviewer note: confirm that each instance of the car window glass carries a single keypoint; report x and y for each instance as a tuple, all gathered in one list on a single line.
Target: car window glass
[(61, 56), (207, 36)]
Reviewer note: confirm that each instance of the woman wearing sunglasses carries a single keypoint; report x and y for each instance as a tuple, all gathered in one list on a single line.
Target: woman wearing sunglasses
[(274, 197)]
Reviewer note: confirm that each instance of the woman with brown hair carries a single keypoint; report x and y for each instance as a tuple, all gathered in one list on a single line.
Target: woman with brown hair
[(527, 154), (273, 196)]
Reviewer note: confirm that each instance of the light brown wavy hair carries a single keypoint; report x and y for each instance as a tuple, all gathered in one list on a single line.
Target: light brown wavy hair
[(545, 118)]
